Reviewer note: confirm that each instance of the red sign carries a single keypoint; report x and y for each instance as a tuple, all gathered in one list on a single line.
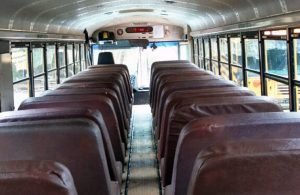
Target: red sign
[(143, 29)]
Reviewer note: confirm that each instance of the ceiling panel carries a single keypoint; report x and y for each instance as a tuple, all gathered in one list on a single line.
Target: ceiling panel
[(72, 17)]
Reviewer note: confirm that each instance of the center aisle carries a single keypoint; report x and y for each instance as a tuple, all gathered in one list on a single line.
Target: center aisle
[(143, 175)]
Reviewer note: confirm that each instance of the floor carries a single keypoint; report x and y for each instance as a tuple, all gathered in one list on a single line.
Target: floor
[(142, 176)]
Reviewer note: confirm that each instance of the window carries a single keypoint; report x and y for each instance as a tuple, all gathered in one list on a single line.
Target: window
[(38, 71), (223, 50), (82, 53), (139, 60), (276, 57), (51, 57), (201, 56), (214, 49), (196, 59), (70, 60), (254, 82), (62, 63), (77, 59), (184, 51), (237, 75), (21, 92), (252, 54), (51, 66), (279, 91), (236, 51), (215, 67), (225, 71), (207, 54), (20, 63), (38, 61), (20, 68)]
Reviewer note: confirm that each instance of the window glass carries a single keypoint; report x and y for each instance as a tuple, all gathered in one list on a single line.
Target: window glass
[(39, 86), (215, 68), (52, 79), (252, 54), (237, 75), (77, 59), (38, 60), (225, 71), (196, 50), (184, 51), (254, 82), (77, 52), (223, 50), (82, 57), (70, 70), (297, 58), (77, 67), (70, 54), (276, 57), (51, 57), (200, 47), (279, 91), (21, 92), (207, 64), (20, 63), (298, 98), (206, 48), (62, 75), (214, 48), (62, 56), (236, 51), (139, 60)]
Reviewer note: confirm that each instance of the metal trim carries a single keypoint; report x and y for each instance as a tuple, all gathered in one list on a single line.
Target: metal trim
[(23, 35), (278, 21)]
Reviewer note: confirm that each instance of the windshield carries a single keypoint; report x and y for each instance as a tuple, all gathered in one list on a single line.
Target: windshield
[(139, 60)]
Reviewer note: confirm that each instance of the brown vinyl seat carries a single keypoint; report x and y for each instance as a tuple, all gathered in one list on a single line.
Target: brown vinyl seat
[(76, 143), (113, 77), (170, 70), (162, 63), (166, 76), (120, 68), (106, 82), (95, 102), (115, 167), (120, 112), (258, 167), (35, 178), (205, 132), (189, 84), (185, 111), (202, 77), (95, 85), (176, 96), (100, 73), (156, 67)]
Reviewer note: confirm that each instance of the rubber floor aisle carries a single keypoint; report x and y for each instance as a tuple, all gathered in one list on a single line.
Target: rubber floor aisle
[(143, 175)]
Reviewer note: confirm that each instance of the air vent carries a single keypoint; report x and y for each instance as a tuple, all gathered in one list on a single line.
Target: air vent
[(108, 13), (170, 1), (135, 10), (140, 23)]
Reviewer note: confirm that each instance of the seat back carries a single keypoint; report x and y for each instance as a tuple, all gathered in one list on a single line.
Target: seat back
[(187, 110), (76, 143), (35, 178), (208, 131), (106, 58), (259, 167)]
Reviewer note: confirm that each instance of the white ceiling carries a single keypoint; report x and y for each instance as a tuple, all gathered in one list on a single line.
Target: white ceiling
[(73, 16)]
